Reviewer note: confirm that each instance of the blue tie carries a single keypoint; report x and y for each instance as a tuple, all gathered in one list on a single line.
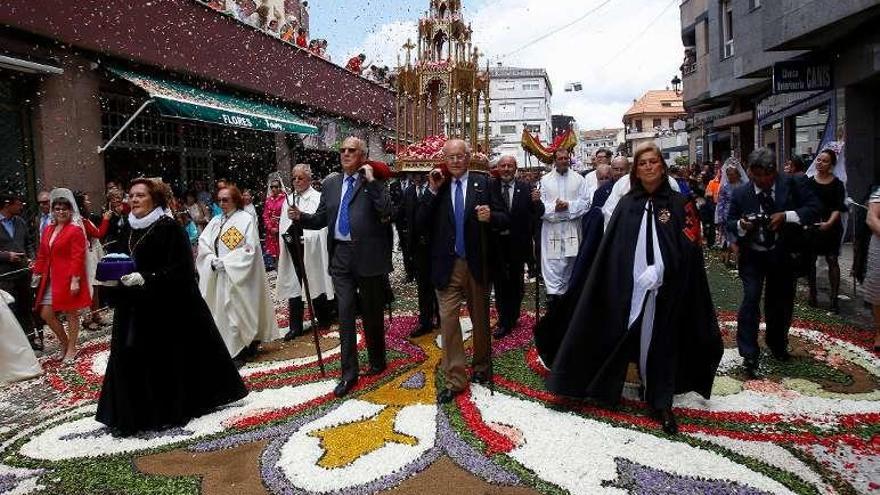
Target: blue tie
[(344, 221), (459, 220)]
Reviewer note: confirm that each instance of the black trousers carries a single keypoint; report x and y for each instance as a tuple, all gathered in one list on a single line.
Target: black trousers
[(406, 247), (350, 289), (23, 307), (768, 272), (429, 309), (509, 291), (323, 312)]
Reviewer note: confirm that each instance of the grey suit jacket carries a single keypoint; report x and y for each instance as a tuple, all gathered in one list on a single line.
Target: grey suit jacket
[(370, 213), (23, 242)]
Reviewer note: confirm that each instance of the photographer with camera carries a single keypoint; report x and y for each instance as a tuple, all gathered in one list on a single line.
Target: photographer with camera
[(764, 218)]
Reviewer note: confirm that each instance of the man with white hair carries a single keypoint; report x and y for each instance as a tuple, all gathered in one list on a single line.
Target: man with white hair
[(356, 208), (313, 249)]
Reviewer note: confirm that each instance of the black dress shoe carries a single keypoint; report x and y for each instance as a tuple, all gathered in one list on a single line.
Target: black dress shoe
[(344, 387), (374, 370), (667, 421), (480, 377), (292, 334), (500, 332), (751, 367), (419, 331), (446, 396)]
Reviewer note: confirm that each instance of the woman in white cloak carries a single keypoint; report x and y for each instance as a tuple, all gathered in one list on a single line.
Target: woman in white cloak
[(232, 277)]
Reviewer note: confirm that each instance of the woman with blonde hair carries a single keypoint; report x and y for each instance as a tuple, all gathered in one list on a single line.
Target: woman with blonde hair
[(646, 300)]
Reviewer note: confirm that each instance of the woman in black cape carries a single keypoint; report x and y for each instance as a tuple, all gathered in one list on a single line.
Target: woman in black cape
[(168, 363), (679, 348)]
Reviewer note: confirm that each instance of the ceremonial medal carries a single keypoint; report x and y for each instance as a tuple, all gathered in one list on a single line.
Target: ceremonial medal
[(664, 215), (232, 238)]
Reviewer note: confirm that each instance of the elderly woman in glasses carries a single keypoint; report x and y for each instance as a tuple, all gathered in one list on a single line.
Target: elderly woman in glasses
[(275, 199), (232, 277)]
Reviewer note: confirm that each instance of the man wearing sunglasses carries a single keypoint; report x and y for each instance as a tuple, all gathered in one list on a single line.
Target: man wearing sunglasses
[(356, 209)]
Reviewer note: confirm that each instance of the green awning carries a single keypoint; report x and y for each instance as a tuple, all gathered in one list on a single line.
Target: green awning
[(177, 100)]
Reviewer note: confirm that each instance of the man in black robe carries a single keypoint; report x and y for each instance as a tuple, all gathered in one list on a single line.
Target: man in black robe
[(651, 247)]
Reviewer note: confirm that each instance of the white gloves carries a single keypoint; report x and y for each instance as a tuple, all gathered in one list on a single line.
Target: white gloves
[(217, 265), (132, 280)]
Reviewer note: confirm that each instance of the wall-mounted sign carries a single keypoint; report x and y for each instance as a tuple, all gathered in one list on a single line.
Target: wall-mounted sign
[(793, 76)]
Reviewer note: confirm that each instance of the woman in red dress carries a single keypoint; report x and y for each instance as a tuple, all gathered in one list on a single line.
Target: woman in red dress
[(60, 272), (275, 200)]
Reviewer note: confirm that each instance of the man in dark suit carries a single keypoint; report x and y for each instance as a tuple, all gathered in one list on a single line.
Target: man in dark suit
[(458, 211), (764, 215), (356, 209), (16, 249), (523, 205), (398, 197), (420, 251)]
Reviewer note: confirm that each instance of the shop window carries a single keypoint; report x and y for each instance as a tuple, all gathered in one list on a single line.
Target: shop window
[(657, 123)]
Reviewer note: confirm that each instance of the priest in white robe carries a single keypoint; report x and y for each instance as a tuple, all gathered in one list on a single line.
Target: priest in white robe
[(565, 199), (17, 359), (232, 278), (315, 256)]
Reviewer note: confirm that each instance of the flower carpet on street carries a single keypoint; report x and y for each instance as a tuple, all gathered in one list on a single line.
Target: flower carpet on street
[(809, 426)]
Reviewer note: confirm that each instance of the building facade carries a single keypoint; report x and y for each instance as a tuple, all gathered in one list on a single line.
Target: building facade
[(591, 141), (520, 99), (85, 99), (658, 116), (793, 76)]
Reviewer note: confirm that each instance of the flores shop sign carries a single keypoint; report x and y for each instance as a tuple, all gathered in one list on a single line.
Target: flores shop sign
[(799, 75)]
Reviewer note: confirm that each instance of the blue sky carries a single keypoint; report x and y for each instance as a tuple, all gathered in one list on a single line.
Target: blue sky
[(619, 50)]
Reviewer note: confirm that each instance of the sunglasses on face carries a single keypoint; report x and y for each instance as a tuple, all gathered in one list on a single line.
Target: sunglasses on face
[(348, 150)]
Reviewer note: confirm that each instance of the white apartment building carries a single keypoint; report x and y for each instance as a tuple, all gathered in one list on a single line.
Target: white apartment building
[(519, 97), (591, 141)]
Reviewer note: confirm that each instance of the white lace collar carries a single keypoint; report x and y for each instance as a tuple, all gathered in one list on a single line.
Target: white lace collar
[(148, 220)]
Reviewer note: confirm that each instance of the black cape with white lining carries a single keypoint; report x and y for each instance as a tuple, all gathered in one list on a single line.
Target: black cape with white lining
[(168, 363), (599, 344)]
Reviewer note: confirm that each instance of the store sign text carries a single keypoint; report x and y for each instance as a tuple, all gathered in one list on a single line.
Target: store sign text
[(798, 75), (236, 120)]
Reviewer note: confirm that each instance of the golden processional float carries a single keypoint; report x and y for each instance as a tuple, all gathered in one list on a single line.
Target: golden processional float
[(443, 94)]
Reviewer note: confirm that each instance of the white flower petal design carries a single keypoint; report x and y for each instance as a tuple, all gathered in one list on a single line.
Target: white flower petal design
[(86, 437), (773, 455), (301, 453), (591, 448)]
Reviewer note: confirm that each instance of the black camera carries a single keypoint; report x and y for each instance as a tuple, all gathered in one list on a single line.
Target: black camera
[(759, 219)]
